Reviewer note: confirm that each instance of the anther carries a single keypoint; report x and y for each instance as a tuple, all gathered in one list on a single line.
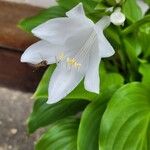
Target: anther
[(71, 61), (77, 65), (61, 56)]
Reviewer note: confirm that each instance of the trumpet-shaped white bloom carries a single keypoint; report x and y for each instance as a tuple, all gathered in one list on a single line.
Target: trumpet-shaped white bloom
[(143, 6), (77, 45)]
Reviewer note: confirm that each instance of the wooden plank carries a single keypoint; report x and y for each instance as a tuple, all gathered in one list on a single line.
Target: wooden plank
[(39, 3), (10, 35), (13, 41), (16, 75)]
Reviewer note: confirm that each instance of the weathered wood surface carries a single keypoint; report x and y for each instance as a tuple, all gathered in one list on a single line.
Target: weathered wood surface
[(10, 35), (13, 41), (40, 3), (16, 75)]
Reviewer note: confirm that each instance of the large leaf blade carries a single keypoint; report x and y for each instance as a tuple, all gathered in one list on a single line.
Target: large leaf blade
[(61, 136), (145, 71), (89, 126), (132, 11), (44, 114), (90, 121), (125, 124)]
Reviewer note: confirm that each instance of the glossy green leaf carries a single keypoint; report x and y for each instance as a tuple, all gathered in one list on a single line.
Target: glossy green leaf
[(29, 23), (147, 1), (42, 89), (62, 135), (100, 7), (113, 35), (133, 50), (126, 122), (68, 4), (90, 121), (145, 71), (44, 114), (132, 11), (89, 5), (144, 36), (110, 83), (135, 26), (89, 127)]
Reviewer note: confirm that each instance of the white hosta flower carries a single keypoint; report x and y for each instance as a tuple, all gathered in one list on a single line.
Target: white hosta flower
[(117, 17), (77, 45), (143, 6)]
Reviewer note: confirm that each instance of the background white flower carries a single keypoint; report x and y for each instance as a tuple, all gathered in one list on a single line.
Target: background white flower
[(143, 6), (77, 45)]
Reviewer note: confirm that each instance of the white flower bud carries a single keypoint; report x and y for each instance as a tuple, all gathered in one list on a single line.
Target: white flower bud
[(117, 17), (118, 1)]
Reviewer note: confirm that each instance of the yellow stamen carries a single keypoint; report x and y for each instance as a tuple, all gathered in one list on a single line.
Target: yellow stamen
[(77, 65), (61, 56), (71, 61)]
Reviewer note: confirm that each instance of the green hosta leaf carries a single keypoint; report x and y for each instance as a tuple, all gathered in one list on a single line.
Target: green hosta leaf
[(44, 15), (89, 5), (110, 83), (68, 4), (147, 1), (126, 121), (91, 117), (132, 10), (44, 114), (145, 71), (89, 127), (100, 7), (144, 36), (113, 35), (134, 27), (132, 49), (42, 89), (61, 136)]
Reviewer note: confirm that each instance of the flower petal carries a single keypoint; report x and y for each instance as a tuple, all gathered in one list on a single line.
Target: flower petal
[(92, 80), (78, 40), (41, 51), (58, 30), (103, 23), (76, 11), (62, 82), (143, 6), (105, 48)]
